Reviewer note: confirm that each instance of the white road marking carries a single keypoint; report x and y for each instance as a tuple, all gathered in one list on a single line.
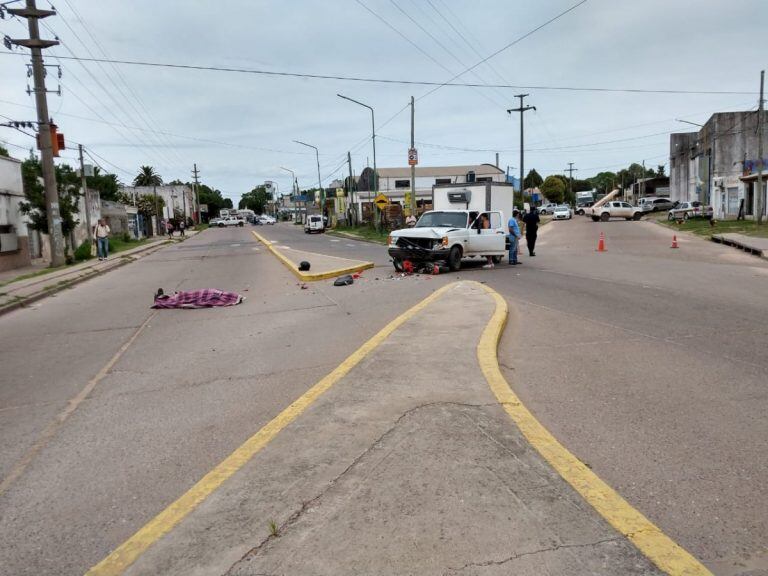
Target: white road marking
[(351, 245), (332, 240), (234, 245)]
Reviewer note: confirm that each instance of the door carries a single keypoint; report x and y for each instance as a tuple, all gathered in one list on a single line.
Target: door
[(487, 240), (624, 210)]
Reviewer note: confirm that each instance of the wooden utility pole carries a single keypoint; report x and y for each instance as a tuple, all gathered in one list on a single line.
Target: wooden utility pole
[(413, 164), (36, 46), (571, 170), (195, 174), (760, 166), (86, 196), (522, 109)]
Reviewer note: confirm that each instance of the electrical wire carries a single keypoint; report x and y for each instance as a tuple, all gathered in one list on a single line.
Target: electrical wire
[(403, 82)]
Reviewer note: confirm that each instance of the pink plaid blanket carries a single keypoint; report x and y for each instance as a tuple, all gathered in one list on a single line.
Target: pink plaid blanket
[(206, 298)]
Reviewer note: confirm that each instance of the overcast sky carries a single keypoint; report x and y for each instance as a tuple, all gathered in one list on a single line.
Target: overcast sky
[(239, 128)]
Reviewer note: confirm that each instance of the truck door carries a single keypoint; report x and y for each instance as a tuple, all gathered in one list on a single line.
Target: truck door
[(489, 240)]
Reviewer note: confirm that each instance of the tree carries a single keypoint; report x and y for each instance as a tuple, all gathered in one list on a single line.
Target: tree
[(147, 177), (254, 200), (553, 189), (106, 184), (145, 203), (660, 171), (533, 180), (68, 186), (604, 182), (4, 152)]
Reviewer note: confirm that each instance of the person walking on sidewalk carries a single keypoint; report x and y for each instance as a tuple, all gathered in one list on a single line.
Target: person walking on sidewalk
[(182, 226), (101, 234), (514, 235), (169, 229), (531, 220)]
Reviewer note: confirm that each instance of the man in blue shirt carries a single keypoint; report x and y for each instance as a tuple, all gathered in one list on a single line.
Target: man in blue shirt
[(514, 235)]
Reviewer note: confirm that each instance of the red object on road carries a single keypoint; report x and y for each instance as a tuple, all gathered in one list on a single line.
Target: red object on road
[(674, 241), (601, 242)]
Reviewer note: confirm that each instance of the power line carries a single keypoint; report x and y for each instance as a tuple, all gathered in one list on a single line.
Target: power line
[(450, 83)]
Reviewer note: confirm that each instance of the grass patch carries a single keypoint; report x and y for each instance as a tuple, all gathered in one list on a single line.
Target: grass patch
[(119, 244), (364, 232), (35, 274), (703, 228), (201, 227)]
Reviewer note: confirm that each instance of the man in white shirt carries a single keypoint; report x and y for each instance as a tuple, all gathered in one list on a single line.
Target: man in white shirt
[(101, 234)]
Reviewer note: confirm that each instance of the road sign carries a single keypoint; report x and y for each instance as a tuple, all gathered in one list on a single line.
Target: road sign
[(381, 201), (413, 156)]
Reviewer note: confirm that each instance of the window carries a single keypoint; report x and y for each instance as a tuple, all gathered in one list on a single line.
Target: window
[(495, 220), (484, 179), (402, 183), (439, 181)]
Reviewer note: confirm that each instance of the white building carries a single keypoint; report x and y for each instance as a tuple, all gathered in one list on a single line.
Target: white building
[(177, 198), (14, 235)]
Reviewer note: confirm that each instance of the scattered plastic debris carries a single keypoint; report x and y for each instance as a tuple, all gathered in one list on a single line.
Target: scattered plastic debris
[(345, 280)]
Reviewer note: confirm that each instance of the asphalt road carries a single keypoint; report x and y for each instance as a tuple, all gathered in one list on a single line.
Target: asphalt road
[(649, 364), (189, 389)]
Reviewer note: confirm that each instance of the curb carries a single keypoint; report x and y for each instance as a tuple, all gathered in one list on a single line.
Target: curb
[(45, 291), (305, 277), (648, 538)]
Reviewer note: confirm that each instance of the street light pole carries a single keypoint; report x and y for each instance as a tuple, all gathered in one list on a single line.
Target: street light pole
[(319, 181), (522, 109), (373, 138), (294, 189)]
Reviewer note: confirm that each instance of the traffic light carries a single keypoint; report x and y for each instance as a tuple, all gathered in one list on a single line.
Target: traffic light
[(57, 141)]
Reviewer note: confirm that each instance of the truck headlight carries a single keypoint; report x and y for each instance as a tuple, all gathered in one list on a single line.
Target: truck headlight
[(390, 241)]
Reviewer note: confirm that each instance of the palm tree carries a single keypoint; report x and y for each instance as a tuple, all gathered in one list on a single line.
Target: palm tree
[(147, 177)]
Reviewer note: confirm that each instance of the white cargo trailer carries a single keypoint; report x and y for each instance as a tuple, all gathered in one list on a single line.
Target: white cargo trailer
[(474, 196)]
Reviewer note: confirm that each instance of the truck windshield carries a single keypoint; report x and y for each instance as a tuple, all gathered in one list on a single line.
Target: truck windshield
[(443, 220)]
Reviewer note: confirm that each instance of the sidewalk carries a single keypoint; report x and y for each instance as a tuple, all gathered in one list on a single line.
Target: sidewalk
[(402, 460), (19, 293), (322, 265), (752, 244)]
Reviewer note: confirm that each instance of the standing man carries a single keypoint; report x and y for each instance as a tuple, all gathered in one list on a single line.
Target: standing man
[(514, 235), (531, 220), (182, 226), (101, 233)]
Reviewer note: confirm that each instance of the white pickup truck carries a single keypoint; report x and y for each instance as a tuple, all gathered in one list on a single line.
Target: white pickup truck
[(616, 209), (230, 221), (449, 236)]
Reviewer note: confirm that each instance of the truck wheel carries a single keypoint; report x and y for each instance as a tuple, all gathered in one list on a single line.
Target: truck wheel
[(637, 216), (397, 263), (496, 259), (595, 219), (670, 217), (685, 216), (604, 217), (454, 259)]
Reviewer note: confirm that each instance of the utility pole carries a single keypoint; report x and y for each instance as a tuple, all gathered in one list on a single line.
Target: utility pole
[(352, 197), (36, 45), (86, 197), (760, 166), (413, 163), (571, 170), (157, 210), (195, 174), (522, 109)]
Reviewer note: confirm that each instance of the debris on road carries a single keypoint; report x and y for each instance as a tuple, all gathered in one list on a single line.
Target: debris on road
[(205, 298), (345, 280), (304, 266)]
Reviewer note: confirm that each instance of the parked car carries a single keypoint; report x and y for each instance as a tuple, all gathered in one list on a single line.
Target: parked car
[(616, 209), (213, 222), (655, 204), (547, 208), (314, 223), (687, 210), (562, 212), (264, 219), (583, 207)]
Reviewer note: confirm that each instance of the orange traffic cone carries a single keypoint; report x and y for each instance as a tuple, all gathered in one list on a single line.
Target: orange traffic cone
[(601, 243), (674, 241)]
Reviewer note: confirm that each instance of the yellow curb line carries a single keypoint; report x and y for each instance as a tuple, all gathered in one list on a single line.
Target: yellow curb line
[(307, 277), (128, 552), (646, 536)]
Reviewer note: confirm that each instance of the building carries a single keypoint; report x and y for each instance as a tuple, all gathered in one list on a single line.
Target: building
[(646, 187), (178, 198), (718, 164), (14, 235), (395, 182)]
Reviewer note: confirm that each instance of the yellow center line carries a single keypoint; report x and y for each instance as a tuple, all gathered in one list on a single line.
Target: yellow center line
[(127, 553), (646, 536)]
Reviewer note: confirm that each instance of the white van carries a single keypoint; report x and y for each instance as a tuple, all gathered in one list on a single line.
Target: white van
[(314, 223)]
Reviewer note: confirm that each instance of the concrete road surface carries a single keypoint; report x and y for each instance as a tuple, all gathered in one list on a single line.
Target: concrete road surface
[(189, 389), (649, 364)]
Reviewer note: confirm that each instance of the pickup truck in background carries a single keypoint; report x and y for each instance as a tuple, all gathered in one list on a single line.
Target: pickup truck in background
[(230, 221), (616, 209)]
